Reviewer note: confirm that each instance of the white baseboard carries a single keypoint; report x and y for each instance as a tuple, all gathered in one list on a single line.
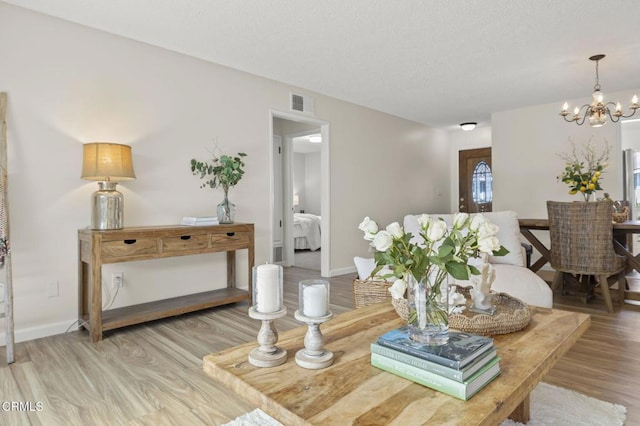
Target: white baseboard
[(25, 334), (342, 271)]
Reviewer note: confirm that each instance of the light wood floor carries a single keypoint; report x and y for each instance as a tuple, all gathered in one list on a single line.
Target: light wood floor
[(151, 374)]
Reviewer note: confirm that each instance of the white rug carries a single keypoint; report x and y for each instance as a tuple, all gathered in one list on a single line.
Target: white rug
[(550, 406)]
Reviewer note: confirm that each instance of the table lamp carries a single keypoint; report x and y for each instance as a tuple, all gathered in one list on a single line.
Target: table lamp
[(107, 163)]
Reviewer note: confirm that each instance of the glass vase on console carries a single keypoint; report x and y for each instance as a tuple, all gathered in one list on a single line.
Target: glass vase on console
[(226, 209), (428, 308), (587, 196)]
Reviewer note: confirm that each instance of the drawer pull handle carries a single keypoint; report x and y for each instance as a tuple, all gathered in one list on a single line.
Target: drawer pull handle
[(185, 237), (129, 241), (231, 234)]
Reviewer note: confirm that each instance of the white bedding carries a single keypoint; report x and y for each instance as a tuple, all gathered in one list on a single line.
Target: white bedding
[(306, 231)]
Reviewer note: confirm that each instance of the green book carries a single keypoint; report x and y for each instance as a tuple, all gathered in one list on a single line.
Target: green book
[(464, 390), (451, 373)]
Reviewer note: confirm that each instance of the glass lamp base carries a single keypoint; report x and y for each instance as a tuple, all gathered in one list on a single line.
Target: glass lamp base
[(107, 207)]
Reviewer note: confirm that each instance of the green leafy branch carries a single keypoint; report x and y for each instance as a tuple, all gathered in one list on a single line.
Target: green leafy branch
[(225, 171)]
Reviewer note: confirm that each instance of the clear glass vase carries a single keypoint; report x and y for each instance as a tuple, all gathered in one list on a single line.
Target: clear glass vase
[(428, 308), (226, 210)]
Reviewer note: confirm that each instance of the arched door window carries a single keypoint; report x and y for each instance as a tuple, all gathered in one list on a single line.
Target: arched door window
[(482, 184)]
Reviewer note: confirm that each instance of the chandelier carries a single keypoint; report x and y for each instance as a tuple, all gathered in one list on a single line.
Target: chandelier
[(598, 111)]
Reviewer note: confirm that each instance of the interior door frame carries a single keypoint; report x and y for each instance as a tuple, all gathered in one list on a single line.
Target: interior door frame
[(463, 156), (325, 193)]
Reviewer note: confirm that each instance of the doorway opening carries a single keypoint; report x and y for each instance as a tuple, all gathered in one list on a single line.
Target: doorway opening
[(300, 192)]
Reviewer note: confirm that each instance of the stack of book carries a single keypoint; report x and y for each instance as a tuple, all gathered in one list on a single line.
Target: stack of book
[(200, 220), (460, 368)]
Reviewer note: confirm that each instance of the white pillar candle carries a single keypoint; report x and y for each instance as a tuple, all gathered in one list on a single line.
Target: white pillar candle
[(268, 288), (314, 299)]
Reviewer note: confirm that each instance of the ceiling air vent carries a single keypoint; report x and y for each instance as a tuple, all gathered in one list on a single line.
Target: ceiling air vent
[(304, 104)]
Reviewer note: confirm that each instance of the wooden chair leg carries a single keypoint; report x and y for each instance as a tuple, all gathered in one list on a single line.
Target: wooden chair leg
[(604, 288)]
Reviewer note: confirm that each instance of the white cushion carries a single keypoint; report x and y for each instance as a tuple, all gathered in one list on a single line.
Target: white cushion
[(521, 283), (508, 234), (365, 266), (509, 237), (524, 284)]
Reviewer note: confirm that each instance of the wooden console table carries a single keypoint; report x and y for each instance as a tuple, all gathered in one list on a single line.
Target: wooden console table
[(97, 248)]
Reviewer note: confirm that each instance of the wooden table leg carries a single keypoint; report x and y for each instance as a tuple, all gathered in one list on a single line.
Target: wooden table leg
[(231, 269), (544, 252), (522, 412)]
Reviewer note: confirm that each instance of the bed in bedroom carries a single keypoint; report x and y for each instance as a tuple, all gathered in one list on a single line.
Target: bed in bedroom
[(306, 231)]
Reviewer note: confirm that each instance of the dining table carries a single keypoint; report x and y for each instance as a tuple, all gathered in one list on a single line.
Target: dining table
[(622, 243)]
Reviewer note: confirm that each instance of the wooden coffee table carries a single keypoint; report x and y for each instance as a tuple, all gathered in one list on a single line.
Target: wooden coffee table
[(351, 391)]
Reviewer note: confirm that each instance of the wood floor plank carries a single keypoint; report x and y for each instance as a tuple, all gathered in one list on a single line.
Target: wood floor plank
[(151, 374), (10, 392)]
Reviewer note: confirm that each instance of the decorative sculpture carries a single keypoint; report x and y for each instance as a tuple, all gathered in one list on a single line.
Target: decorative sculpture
[(481, 296)]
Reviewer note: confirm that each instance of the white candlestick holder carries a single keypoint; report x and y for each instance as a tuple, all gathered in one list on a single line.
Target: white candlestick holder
[(313, 356), (267, 354)]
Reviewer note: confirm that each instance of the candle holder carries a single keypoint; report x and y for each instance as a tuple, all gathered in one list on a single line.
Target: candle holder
[(313, 356), (267, 307), (267, 354), (314, 310)]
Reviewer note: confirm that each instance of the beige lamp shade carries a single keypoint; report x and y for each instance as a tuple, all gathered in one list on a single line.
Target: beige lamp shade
[(105, 161)]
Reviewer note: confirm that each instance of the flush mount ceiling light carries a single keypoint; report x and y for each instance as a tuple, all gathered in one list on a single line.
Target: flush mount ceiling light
[(315, 139), (467, 127), (598, 110)]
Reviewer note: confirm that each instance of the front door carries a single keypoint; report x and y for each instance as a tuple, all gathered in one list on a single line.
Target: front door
[(475, 180)]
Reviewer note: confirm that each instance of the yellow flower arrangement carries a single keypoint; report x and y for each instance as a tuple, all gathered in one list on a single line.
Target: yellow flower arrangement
[(584, 175)]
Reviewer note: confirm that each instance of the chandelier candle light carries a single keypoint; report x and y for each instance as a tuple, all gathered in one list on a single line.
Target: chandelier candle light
[(267, 307), (598, 110), (313, 310)]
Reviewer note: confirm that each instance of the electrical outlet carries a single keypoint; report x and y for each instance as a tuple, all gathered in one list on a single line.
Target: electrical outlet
[(52, 289), (117, 280)]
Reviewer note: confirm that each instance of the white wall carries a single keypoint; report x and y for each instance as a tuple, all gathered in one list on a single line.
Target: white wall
[(299, 173), (312, 184), (306, 181), (69, 84), (630, 134)]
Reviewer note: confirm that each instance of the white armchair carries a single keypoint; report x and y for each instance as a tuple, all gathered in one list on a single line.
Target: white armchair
[(512, 275)]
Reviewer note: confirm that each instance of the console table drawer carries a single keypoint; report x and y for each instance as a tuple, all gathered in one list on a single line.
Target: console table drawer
[(230, 240), (129, 248), (184, 242)]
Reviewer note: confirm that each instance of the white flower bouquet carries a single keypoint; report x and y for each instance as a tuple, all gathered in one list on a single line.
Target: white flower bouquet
[(442, 251)]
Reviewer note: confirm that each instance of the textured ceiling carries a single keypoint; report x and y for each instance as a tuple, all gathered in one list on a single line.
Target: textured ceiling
[(432, 61)]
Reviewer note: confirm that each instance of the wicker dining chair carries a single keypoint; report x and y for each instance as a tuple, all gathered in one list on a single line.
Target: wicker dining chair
[(582, 246)]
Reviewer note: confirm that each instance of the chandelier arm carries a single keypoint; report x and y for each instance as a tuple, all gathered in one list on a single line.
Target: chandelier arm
[(581, 122), (618, 116), (614, 118), (630, 115), (577, 121)]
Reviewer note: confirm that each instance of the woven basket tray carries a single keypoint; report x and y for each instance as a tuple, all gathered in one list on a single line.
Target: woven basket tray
[(368, 292), (511, 315)]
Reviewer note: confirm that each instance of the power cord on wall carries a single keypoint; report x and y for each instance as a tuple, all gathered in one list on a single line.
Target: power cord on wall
[(105, 289)]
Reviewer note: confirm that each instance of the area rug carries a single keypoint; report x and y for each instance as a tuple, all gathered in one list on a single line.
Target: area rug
[(550, 406)]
